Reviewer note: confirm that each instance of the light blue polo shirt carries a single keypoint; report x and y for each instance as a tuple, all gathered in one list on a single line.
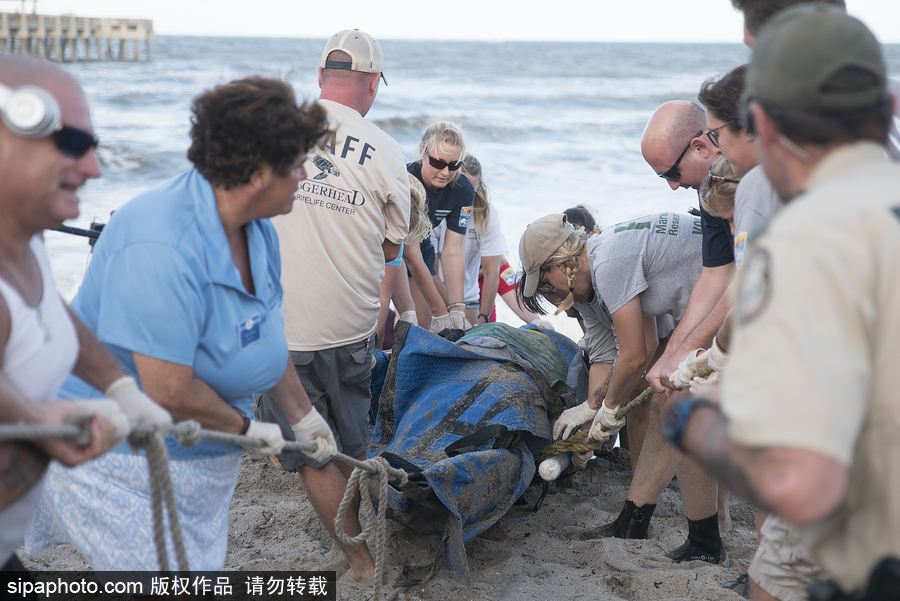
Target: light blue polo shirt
[(162, 283)]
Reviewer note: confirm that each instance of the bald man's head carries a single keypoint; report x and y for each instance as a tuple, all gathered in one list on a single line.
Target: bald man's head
[(676, 127)]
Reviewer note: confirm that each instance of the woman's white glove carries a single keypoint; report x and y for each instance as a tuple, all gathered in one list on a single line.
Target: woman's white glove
[(270, 434), (439, 323), (109, 409), (717, 357), (409, 316), (571, 419), (458, 319), (688, 368), (313, 429), (135, 404), (605, 418), (542, 323)]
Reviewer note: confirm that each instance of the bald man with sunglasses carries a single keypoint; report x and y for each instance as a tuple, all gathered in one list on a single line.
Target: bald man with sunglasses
[(675, 147)]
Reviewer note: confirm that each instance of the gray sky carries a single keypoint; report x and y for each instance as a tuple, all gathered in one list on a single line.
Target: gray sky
[(489, 20)]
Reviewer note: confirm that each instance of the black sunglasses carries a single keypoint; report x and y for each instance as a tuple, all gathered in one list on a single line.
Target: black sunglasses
[(74, 142), (673, 174), (439, 164), (713, 134)]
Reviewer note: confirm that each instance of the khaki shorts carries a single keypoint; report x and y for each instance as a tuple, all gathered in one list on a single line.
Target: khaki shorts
[(336, 381), (782, 566)]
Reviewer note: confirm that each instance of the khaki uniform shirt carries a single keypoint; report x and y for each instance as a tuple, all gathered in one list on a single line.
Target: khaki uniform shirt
[(815, 352), (355, 196)]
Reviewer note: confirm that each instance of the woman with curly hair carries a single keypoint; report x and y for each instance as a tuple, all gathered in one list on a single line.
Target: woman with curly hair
[(184, 289)]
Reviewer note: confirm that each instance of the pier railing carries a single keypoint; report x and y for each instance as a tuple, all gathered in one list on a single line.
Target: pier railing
[(70, 38)]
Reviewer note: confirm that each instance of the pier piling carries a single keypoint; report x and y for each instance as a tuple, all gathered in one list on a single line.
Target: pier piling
[(59, 37)]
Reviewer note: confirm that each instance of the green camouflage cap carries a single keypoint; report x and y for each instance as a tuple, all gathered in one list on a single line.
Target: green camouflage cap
[(801, 48)]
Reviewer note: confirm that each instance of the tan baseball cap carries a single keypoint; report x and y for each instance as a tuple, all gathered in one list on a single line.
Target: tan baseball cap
[(362, 48), (541, 239)]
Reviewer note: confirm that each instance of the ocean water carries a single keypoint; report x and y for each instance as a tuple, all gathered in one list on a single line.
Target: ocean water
[(554, 124)]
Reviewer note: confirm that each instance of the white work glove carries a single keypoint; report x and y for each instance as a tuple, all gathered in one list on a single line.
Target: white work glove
[(313, 429), (543, 323), (270, 434), (458, 319), (605, 418), (698, 383), (688, 368), (440, 323), (135, 404), (717, 357), (409, 316), (109, 409), (571, 419)]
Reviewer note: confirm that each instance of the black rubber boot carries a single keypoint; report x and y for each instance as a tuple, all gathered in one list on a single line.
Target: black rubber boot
[(703, 542), (633, 522)]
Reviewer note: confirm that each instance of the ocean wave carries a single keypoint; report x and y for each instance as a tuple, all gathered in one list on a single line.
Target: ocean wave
[(117, 159)]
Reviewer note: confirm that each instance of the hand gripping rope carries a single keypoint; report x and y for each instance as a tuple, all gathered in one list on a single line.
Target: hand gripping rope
[(579, 442), (151, 437)]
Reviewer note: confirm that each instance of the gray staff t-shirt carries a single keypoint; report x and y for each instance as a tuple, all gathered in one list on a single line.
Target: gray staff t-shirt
[(657, 257)]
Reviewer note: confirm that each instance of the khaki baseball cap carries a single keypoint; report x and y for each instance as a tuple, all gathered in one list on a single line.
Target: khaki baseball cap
[(540, 240), (801, 48), (362, 48)]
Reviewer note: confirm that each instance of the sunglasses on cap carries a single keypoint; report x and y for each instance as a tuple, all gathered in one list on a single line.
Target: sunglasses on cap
[(713, 134), (673, 174), (439, 164), (74, 142)]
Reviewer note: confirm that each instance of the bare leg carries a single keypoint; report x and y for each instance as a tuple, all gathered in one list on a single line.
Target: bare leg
[(725, 523), (655, 468), (325, 487)]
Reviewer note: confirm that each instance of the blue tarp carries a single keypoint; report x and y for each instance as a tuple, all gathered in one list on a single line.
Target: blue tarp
[(497, 382)]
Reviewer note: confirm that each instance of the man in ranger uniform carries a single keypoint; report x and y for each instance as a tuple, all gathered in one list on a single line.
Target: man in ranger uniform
[(348, 222)]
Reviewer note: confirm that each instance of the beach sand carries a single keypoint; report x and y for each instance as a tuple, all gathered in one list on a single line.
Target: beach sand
[(526, 555)]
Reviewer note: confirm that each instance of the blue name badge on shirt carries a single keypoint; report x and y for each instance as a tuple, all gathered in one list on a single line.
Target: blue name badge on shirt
[(248, 331)]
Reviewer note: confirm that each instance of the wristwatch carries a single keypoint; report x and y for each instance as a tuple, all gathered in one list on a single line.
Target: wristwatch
[(676, 418)]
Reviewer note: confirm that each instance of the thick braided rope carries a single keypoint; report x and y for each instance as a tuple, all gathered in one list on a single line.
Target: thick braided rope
[(189, 433), (77, 432), (373, 520), (574, 443), (149, 437)]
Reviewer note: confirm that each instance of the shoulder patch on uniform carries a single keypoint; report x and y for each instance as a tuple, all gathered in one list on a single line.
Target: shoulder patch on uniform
[(464, 214), (896, 212), (753, 287)]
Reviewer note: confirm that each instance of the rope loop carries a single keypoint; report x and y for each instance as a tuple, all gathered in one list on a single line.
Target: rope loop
[(187, 433), (372, 477)]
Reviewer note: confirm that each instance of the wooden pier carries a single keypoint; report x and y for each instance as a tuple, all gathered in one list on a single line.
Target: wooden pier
[(68, 38)]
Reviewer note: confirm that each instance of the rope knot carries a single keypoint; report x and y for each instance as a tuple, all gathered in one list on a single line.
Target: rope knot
[(187, 433)]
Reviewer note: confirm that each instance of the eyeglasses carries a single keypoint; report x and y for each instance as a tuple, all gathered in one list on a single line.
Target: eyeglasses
[(712, 176), (545, 288), (440, 164), (74, 142), (713, 134), (673, 174)]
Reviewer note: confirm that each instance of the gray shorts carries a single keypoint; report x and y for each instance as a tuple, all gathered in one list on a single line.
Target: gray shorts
[(782, 566), (336, 381)]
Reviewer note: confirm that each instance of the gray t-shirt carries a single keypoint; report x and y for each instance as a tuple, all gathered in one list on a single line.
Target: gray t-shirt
[(600, 336), (657, 257), (754, 202)]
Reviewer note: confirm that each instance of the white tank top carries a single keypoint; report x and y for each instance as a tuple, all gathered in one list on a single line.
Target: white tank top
[(42, 346), (40, 354)]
